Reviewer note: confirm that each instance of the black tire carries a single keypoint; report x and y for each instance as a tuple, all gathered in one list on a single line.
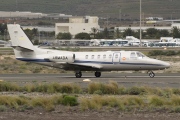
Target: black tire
[(97, 74), (78, 75)]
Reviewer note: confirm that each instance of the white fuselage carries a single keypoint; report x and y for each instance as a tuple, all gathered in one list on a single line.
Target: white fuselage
[(98, 61), (81, 61)]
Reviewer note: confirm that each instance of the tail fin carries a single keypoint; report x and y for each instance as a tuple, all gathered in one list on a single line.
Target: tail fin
[(19, 40)]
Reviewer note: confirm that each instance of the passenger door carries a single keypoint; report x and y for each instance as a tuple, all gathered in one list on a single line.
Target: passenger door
[(116, 58)]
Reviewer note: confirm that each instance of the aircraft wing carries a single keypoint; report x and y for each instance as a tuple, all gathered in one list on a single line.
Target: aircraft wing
[(96, 66), (74, 66)]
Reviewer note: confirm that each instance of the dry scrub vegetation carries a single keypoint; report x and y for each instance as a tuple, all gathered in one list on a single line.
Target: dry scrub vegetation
[(96, 96)]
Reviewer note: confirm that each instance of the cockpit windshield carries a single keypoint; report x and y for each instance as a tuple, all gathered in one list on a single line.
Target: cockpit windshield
[(139, 54), (136, 54)]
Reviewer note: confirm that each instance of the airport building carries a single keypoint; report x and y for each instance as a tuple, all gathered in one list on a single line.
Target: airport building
[(18, 14), (77, 25), (175, 25), (143, 28)]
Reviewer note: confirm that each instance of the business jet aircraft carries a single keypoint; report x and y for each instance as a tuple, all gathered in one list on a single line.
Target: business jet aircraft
[(81, 61)]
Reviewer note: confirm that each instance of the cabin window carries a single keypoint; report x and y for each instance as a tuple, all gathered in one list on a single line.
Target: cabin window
[(92, 57), (116, 56), (133, 55), (86, 56), (110, 56), (104, 56), (98, 56)]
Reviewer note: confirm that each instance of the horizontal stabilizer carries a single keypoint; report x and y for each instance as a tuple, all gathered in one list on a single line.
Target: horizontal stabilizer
[(19, 48)]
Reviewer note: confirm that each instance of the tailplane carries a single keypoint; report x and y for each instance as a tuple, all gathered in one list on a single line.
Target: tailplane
[(19, 40)]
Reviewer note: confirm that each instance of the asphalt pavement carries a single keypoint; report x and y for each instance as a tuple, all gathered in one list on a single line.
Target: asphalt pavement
[(123, 79)]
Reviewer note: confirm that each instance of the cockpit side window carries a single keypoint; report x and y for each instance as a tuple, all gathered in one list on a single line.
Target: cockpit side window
[(140, 54), (133, 55)]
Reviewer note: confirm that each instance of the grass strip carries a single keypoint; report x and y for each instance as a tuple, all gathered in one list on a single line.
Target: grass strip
[(111, 88), (124, 103)]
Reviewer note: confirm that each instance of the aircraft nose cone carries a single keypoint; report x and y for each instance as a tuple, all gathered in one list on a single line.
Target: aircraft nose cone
[(167, 65)]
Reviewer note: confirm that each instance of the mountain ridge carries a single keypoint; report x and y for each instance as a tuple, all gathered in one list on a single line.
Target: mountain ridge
[(103, 8)]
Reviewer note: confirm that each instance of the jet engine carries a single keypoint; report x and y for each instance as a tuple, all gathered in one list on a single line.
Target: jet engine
[(63, 58)]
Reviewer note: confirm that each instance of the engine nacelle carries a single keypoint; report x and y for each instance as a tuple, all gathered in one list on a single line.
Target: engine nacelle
[(64, 58)]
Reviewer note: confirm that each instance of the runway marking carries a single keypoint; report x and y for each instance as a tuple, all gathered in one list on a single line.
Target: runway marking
[(86, 80)]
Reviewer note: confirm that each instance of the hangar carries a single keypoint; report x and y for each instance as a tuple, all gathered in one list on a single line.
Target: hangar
[(77, 25)]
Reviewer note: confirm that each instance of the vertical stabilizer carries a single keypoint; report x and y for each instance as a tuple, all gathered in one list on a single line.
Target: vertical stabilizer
[(19, 40)]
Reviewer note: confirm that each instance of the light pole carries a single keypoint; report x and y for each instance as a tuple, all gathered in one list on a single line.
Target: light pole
[(39, 36), (16, 5), (120, 14), (107, 21), (140, 36), (4, 34)]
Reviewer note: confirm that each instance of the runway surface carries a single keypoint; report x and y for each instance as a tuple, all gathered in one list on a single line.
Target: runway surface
[(123, 79)]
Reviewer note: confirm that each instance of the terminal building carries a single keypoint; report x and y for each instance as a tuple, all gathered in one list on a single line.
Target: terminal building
[(175, 25), (78, 25), (144, 28), (18, 14)]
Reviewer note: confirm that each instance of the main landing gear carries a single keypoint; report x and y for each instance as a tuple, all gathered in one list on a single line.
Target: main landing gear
[(97, 74), (78, 74), (151, 74)]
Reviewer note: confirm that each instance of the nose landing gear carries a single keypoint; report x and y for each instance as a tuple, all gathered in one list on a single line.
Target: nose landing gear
[(151, 74)]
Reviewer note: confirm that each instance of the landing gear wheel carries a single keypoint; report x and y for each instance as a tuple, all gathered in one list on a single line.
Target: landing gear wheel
[(97, 74), (78, 74), (151, 74)]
